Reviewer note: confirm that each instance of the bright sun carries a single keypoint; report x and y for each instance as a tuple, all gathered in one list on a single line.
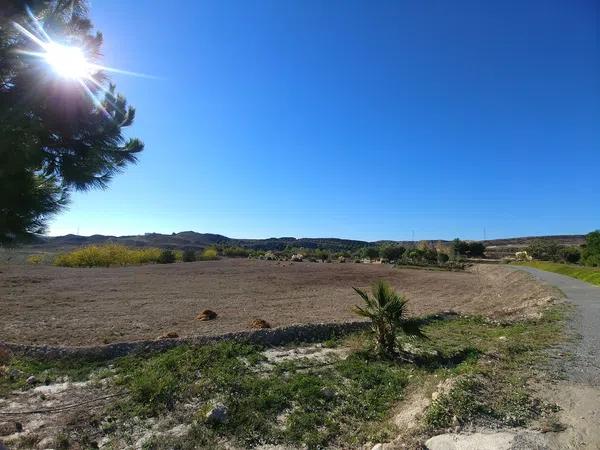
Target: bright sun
[(68, 62)]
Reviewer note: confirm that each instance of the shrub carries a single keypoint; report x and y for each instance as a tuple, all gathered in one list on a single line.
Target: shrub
[(476, 249), (166, 257), (544, 250), (188, 256), (442, 258), (35, 259), (591, 253), (236, 252), (392, 252), (387, 311), (209, 254), (370, 253), (570, 255), (107, 255)]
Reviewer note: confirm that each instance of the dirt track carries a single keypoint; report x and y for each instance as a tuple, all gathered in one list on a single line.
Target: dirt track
[(53, 305)]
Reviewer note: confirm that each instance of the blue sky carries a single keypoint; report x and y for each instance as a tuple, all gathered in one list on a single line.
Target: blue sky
[(366, 120)]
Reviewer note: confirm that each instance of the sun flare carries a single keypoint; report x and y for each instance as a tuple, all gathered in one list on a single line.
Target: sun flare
[(68, 62)]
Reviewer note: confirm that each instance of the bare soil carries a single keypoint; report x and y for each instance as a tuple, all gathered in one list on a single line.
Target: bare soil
[(73, 306)]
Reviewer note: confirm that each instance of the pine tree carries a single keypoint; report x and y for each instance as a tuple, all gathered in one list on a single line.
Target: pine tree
[(54, 136)]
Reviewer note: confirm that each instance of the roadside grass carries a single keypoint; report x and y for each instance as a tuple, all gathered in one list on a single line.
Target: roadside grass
[(495, 387), (340, 403), (584, 273)]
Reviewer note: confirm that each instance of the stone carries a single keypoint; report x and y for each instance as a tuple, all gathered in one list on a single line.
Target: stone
[(378, 447), (5, 354), (207, 314), (259, 324), (169, 335), (217, 414), (475, 441), (7, 428), (31, 380), (329, 394)]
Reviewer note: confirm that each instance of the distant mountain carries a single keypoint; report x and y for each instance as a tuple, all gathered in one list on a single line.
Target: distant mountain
[(196, 241)]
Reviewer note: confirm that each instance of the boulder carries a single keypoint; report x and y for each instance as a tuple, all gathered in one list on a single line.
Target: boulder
[(217, 414)]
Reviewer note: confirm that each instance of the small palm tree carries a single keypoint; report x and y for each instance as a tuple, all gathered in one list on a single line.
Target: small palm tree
[(387, 311)]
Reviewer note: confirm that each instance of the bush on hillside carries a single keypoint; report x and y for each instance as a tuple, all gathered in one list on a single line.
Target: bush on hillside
[(188, 256), (544, 250), (209, 254), (166, 257), (236, 252), (392, 252)]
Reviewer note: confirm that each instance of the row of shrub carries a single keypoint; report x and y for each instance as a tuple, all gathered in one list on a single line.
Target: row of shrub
[(120, 255), (587, 254), (422, 255)]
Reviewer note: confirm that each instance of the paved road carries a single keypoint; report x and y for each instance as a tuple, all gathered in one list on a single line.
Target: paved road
[(585, 366)]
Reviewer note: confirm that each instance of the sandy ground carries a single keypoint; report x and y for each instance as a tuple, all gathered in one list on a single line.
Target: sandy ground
[(73, 306)]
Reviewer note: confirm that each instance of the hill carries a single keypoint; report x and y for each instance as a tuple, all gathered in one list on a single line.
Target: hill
[(197, 241)]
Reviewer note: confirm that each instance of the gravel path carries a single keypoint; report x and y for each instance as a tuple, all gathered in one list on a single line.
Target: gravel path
[(585, 365)]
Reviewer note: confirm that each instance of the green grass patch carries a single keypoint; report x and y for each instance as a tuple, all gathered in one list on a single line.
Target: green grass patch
[(493, 387), (15, 373), (588, 274), (343, 402)]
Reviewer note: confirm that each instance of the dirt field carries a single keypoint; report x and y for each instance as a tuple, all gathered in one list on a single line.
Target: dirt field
[(53, 305)]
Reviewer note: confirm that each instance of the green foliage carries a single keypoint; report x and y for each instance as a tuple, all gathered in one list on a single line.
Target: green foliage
[(369, 253), (107, 255), (544, 250), (53, 137), (442, 258), (476, 249), (387, 312), (236, 252), (469, 249), (570, 255), (209, 254), (35, 259), (392, 252), (188, 256), (591, 253), (166, 257)]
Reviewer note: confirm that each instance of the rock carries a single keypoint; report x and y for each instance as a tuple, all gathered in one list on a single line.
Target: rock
[(297, 258), (259, 324), (502, 338), (329, 394), (5, 354), (378, 447), (14, 373), (169, 335), (217, 414), (46, 443), (207, 314), (7, 428), (31, 380), (495, 441)]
